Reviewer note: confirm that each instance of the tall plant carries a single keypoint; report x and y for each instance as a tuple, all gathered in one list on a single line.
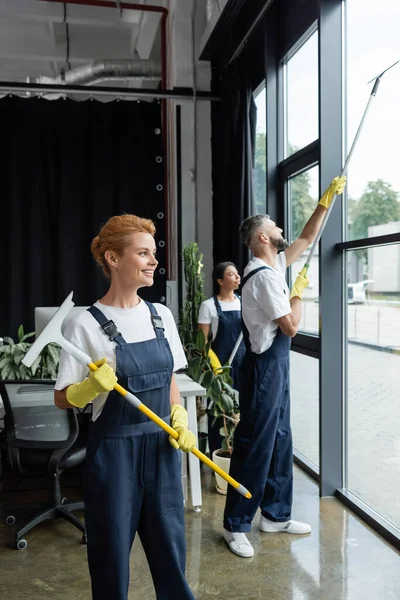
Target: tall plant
[(194, 278)]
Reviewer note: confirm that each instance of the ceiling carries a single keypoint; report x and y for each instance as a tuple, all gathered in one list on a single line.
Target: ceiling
[(40, 38)]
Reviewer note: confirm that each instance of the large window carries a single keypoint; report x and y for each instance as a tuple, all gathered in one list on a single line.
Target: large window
[(372, 285), (373, 405), (304, 395), (303, 198), (301, 82), (374, 175), (260, 159)]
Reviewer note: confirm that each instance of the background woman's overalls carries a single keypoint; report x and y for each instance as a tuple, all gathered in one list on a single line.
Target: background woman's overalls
[(229, 329), (133, 475)]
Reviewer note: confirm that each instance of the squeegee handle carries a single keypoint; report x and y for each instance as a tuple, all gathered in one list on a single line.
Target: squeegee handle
[(151, 415), (344, 171)]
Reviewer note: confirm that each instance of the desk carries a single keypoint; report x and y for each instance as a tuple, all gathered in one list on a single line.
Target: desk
[(189, 389), (43, 395)]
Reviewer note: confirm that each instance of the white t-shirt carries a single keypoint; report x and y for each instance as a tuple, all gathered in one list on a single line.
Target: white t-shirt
[(208, 313), (265, 297), (134, 324)]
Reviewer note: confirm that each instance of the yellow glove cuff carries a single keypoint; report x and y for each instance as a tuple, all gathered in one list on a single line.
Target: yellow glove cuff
[(101, 380), (214, 362), (81, 394), (300, 284), (336, 187), (179, 421)]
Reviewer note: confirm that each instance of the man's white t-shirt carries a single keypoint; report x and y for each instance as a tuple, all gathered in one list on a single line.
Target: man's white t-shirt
[(134, 324), (265, 297), (208, 313)]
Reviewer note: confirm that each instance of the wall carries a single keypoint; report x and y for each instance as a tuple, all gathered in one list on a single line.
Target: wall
[(196, 189)]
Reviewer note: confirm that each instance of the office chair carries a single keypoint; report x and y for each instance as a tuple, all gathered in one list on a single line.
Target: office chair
[(41, 437)]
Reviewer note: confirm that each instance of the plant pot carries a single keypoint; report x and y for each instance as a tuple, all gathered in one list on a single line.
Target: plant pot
[(224, 463)]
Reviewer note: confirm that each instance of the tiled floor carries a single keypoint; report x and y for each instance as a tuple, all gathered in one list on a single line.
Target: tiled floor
[(341, 560)]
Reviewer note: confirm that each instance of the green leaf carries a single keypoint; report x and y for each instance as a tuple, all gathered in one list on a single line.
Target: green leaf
[(18, 355), (207, 379), (27, 336), (200, 340), (227, 403), (9, 340), (35, 365), (5, 360), (20, 333), (8, 372)]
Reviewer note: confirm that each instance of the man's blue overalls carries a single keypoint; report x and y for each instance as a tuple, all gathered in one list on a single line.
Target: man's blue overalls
[(229, 328), (262, 448), (133, 475)]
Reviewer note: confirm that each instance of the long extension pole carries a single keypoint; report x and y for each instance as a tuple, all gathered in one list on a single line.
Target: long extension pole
[(346, 164), (343, 172)]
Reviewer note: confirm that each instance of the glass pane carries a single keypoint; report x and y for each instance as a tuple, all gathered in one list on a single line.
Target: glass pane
[(373, 405), (374, 174), (302, 96), (304, 397), (303, 197), (260, 162)]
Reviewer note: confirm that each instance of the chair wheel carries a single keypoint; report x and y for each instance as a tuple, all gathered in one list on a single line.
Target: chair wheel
[(84, 538), (21, 544), (10, 520)]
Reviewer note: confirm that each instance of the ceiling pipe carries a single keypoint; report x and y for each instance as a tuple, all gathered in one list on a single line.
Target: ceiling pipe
[(100, 70), (164, 15)]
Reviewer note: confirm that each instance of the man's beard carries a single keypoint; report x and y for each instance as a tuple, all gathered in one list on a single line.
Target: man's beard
[(280, 244)]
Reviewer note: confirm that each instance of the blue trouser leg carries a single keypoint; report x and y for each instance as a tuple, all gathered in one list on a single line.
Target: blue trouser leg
[(113, 498), (162, 527), (263, 402), (276, 503)]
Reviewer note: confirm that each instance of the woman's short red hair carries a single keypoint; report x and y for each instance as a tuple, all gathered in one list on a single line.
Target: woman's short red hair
[(115, 236)]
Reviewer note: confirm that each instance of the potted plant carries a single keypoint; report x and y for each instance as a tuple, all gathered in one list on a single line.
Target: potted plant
[(11, 355), (224, 404)]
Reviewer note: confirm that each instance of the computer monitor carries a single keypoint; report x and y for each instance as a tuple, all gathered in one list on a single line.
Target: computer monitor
[(44, 314)]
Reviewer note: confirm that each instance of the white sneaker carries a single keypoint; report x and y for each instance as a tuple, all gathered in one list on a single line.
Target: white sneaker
[(238, 543), (294, 527)]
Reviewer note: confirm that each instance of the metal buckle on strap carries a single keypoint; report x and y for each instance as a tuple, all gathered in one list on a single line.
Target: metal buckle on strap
[(157, 322), (111, 330)]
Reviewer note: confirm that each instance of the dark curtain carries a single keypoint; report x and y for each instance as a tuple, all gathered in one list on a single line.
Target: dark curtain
[(233, 147), (65, 168)]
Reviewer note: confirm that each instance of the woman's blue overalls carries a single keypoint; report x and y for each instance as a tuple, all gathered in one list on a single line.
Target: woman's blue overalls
[(133, 475), (229, 329), (262, 457)]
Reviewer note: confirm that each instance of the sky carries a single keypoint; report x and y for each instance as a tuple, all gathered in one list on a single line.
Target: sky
[(373, 44)]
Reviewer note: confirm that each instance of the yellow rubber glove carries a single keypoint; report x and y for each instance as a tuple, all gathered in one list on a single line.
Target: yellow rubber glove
[(336, 186), (102, 380), (179, 421), (214, 362), (300, 284)]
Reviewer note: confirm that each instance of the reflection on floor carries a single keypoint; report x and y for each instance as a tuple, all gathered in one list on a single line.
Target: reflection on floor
[(341, 560)]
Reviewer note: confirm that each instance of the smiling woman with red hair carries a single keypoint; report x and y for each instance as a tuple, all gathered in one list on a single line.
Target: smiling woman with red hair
[(133, 476)]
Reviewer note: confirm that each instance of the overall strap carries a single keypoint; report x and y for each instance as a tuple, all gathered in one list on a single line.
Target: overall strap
[(107, 326), (246, 336), (250, 275), (157, 321), (218, 306)]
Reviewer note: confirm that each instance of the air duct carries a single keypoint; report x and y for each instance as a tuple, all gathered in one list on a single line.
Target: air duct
[(101, 70)]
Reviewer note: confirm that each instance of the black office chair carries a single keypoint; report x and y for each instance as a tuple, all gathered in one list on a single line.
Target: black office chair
[(41, 437)]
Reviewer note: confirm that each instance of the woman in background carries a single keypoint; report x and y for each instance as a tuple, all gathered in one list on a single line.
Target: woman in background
[(220, 318)]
